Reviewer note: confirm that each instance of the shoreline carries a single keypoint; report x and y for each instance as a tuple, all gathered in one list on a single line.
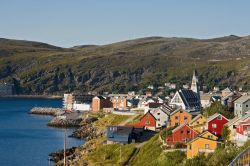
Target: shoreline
[(32, 96)]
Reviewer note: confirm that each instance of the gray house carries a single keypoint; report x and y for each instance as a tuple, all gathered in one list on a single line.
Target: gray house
[(120, 134), (242, 106)]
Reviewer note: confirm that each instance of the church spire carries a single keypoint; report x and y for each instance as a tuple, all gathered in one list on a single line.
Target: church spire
[(195, 83)]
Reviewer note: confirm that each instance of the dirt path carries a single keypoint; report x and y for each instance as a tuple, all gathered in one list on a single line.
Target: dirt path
[(130, 119)]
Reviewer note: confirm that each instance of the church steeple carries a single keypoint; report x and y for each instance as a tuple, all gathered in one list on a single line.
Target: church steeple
[(195, 84)]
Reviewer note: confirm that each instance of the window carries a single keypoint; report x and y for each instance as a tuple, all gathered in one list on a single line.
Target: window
[(177, 99), (209, 136), (197, 122), (219, 117), (247, 105), (182, 131), (147, 122), (185, 117), (158, 113), (177, 118), (214, 125), (188, 132), (159, 125), (190, 147), (158, 119), (176, 124), (206, 146)]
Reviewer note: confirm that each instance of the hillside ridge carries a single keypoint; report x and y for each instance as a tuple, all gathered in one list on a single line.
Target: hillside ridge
[(40, 68)]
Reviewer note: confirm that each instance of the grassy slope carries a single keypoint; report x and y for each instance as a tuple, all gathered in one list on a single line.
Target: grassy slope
[(39, 68), (149, 154), (110, 119), (110, 154)]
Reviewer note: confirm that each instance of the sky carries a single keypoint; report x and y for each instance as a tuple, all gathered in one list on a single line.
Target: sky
[(67, 23)]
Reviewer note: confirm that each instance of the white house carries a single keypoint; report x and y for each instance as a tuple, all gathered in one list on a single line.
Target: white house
[(81, 106), (205, 100), (232, 126), (242, 106), (243, 132), (161, 117)]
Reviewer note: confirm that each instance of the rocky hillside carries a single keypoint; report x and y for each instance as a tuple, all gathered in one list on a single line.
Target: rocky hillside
[(38, 68)]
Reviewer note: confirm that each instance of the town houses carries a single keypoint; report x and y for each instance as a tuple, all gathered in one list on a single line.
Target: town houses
[(182, 114)]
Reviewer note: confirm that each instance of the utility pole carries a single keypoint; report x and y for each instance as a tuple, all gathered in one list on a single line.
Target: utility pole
[(65, 135), (120, 154), (49, 160)]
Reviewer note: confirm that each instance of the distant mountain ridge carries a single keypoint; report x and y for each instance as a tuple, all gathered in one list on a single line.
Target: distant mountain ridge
[(40, 68)]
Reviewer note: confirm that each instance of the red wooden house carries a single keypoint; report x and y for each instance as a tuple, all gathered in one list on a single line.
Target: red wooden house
[(181, 134), (148, 121), (215, 123)]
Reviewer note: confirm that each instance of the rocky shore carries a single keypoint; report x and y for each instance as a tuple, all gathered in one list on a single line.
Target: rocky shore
[(46, 111), (63, 121), (87, 131)]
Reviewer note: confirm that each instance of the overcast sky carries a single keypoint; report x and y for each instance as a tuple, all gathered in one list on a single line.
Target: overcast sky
[(76, 22)]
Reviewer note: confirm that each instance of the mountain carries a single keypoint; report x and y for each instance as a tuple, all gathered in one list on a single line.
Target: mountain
[(38, 68)]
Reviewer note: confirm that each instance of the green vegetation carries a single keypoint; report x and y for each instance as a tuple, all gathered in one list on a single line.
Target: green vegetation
[(225, 133), (217, 107), (38, 68), (169, 130), (110, 119), (114, 154), (199, 160), (137, 118), (174, 158), (149, 154)]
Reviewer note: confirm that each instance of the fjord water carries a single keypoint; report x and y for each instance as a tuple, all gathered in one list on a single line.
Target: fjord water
[(25, 140)]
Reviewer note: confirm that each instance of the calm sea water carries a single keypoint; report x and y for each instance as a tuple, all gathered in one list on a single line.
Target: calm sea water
[(25, 140)]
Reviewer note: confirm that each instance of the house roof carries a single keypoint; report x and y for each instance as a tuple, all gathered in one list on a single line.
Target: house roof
[(206, 131), (200, 137), (153, 105), (118, 95), (246, 122), (215, 116), (124, 130), (152, 111), (177, 110), (99, 97), (238, 119), (149, 114), (227, 90), (227, 96), (205, 96), (195, 118), (242, 99), (182, 125), (233, 121), (166, 108), (189, 98)]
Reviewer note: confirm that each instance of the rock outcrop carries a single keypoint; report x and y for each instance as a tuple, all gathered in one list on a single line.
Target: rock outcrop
[(67, 120), (46, 111)]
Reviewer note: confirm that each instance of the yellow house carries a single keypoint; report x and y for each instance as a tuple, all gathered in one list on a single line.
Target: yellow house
[(206, 143), (197, 123)]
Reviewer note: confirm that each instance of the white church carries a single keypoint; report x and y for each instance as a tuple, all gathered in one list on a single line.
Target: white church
[(188, 99)]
